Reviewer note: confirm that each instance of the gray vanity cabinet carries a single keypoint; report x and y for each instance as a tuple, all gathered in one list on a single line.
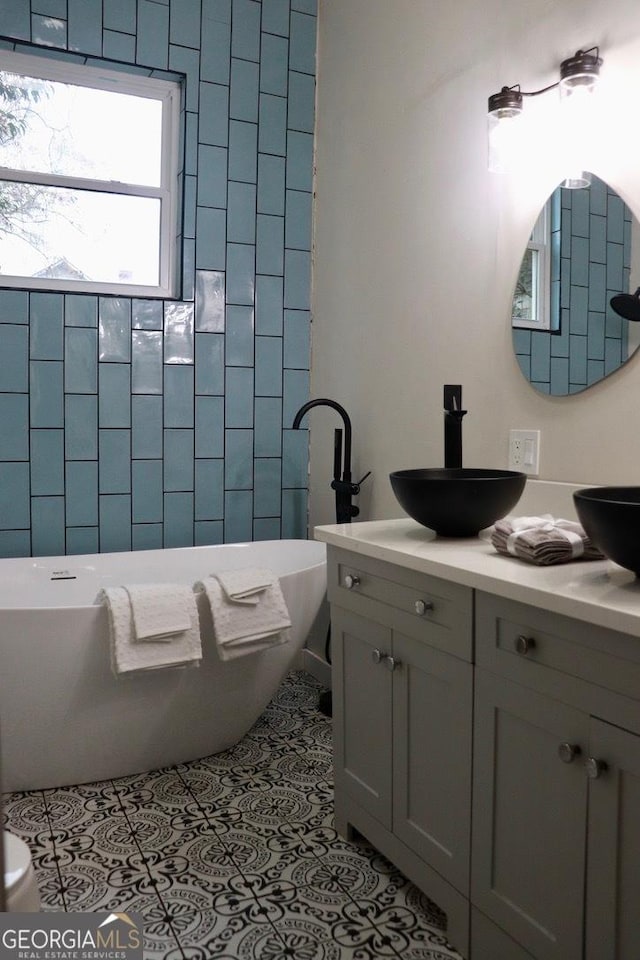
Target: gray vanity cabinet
[(556, 790), (529, 816), (432, 716), (613, 852), (402, 722), (409, 718), (490, 749), (362, 698)]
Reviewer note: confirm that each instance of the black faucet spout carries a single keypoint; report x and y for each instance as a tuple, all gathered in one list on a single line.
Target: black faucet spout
[(324, 402), (453, 414), (343, 486)]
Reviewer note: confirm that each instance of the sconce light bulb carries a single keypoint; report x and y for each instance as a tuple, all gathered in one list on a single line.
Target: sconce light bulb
[(577, 180), (505, 109), (579, 73), (578, 81)]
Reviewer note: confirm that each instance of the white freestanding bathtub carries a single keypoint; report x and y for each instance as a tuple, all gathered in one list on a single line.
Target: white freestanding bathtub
[(65, 718)]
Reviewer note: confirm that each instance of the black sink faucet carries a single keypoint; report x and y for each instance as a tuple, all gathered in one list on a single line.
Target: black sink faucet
[(453, 414), (343, 486)]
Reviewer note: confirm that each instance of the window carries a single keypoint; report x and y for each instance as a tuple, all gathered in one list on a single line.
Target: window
[(531, 299), (88, 178)]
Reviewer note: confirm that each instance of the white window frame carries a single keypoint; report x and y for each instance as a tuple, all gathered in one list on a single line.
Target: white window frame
[(540, 244), (103, 78)]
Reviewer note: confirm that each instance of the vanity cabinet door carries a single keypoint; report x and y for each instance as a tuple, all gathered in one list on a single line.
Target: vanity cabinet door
[(432, 709), (613, 882), (529, 817), (362, 711)]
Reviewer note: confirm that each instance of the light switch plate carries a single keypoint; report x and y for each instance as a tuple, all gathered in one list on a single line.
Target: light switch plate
[(524, 451)]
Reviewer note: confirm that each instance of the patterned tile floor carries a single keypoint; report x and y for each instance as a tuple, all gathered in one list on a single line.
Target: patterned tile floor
[(233, 856)]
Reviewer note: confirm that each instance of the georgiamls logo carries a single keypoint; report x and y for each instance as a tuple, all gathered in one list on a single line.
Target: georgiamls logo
[(61, 936)]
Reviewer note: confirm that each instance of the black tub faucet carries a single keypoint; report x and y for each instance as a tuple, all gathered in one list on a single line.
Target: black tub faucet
[(344, 488), (453, 414)]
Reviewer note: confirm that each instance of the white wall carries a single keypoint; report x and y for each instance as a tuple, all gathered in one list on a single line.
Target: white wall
[(417, 245)]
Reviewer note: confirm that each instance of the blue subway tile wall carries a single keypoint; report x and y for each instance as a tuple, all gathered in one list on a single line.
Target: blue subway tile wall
[(588, 265), (129, 423)]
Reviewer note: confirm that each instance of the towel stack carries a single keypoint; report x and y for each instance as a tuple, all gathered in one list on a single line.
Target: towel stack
[(543, 540), (248, 611), (152, 626), (157, 625)]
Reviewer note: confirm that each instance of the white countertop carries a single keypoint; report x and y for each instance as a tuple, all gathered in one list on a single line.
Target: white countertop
[(599, 591)]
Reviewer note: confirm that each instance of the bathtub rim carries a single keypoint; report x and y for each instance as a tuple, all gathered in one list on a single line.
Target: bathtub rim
[(42, 564)]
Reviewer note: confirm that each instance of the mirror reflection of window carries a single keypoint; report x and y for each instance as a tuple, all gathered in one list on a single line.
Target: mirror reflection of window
[(524, 305), (531, 298)]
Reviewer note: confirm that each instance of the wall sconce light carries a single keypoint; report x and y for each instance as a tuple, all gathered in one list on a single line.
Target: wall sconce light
[(578, 79)]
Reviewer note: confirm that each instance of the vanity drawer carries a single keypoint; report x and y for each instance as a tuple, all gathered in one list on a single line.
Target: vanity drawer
[(521, 642), (417, 605)]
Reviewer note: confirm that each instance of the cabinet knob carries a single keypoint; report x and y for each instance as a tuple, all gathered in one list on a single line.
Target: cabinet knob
[(392, 664), (524, 645), (568, 752), (421, 607), (351, 581), (377, 656), (595, 768)]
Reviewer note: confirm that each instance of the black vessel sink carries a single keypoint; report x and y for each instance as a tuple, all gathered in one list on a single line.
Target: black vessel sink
[(458, 501), (611, 519)]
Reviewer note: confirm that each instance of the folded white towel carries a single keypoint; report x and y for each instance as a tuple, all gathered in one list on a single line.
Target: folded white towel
[(129, 654), (245, 585), (543, 540), (160, 610), (240, 629)]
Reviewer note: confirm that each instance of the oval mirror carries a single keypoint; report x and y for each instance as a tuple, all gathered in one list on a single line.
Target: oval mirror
[(584, 252)]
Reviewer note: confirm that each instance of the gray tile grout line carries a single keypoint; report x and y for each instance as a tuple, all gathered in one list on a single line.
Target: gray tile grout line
[(111, 785), (61, 886), (214, 832), (152, 878), (253, 896)]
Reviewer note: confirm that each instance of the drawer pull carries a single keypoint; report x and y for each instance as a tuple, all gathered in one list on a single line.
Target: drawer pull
[(524, 645), (377, 656), (351, 581), (568, 752), (392, 664), (595, 768), (421, 607)]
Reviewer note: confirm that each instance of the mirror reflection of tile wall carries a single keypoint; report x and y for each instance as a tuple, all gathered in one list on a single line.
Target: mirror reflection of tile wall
[(591, 232)]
